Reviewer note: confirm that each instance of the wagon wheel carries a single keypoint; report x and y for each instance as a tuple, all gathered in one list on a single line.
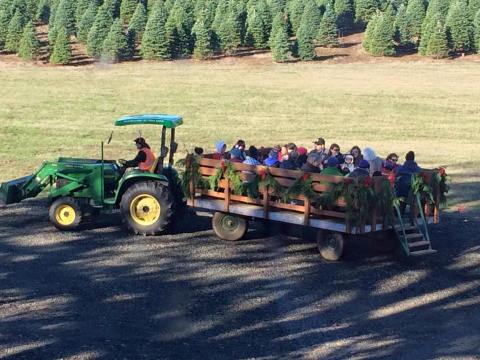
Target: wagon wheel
[(229, 227), (330, 245)]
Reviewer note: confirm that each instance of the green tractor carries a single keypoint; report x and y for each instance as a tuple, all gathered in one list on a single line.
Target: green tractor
[(149, 200)]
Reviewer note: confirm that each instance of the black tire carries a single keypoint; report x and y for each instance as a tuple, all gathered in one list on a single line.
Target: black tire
[(229, 227), (142, 219), (330, 245), (60, 213), (179, 200)]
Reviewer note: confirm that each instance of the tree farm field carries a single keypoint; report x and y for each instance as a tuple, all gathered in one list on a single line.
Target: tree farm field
[(392, 106)]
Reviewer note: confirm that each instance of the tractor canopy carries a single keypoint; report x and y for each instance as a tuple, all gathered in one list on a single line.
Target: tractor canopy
[(169, 121)]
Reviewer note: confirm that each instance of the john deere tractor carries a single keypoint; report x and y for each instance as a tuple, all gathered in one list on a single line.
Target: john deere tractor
[(149, 200)]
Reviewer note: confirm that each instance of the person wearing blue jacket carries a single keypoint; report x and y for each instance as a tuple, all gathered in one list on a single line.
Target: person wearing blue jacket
[(404, 174)]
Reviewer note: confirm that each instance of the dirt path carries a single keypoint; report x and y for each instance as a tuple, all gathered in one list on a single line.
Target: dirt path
[(103, 293)]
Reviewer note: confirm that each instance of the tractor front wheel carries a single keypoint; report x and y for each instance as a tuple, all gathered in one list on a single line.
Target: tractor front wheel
[(229, 227), (65, 213), (147, 207)]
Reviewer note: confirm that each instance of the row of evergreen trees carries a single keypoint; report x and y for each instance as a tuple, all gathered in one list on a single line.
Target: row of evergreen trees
[(115, 30), (436, 29)]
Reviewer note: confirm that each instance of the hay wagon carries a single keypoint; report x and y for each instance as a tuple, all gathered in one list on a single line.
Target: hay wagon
[(213, 185)]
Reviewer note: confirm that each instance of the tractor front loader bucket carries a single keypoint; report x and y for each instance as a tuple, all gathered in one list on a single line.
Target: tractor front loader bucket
[(11, 191)]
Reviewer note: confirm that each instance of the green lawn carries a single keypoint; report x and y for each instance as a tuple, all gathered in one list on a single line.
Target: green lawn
[(432, 108)]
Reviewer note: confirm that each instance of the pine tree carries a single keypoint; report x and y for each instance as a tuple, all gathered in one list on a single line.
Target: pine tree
[(127, 8), (365, 9), (155, 45), (29, 44), (115, 45), (15, 32), (402, 29), (256, 30), (4, 22), (99, 31), (64, 18), (379, 36), (344, 12), (295, 13), (43, 11), (313, 16), (459, 27), (473, 7), (61, 54), (178, 29), (263, 10), (415, 15), (203, 38), (477, 31), (138, 21), (80, 8), (20, 6), (437, 44), (229, 31), (279, 43), (306, 34), (327, 33), (86, 22), (427, 31)]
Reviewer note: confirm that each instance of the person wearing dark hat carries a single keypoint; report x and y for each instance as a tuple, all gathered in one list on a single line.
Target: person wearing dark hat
[(405, 173), (145, 157), (362, 170), (332, 168), (316, 157)]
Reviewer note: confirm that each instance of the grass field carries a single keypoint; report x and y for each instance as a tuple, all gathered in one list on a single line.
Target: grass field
[(431, 108)]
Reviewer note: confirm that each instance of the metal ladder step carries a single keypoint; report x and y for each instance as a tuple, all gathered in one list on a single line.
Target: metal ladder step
[(418, 243), (423, 252), (414, 236)]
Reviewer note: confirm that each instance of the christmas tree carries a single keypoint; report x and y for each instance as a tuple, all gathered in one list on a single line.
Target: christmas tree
[(99, 31), (344, 12), (86, 22), (155, 45), (437, 44), (402, 29), (15, 32), (138, 21), (459, 27), (61, 51), (127, 8), (279, 43), (203, 38), (379, 36), (256, 30), (115, 45), (327, 33), (29, 44), (365, 9), (415, 15)]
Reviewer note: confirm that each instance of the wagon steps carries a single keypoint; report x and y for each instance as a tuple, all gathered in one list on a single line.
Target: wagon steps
[(412, 231)]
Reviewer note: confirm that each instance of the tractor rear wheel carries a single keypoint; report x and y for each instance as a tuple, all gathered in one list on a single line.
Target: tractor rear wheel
[(229, 227), (147, 207), (330, 245), (65, 213)]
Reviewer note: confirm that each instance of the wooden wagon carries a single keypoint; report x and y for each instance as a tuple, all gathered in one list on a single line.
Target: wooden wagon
[(333, 221)]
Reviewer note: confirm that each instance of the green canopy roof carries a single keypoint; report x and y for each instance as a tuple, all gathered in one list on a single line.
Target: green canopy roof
[(169, 121)]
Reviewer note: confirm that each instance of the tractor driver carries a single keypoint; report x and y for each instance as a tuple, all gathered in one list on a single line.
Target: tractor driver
[(144, 159)]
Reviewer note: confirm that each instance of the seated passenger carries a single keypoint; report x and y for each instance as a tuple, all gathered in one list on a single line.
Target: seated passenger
[(220, 149), (393, 158), (240, 145), (236, 155), (362, 170), (357, 155), (145, 157), (375, 162), (332, 167), (288, 162), (347, 167), (302, 156), (404, 174), (252, 156), (388, 168), (335, 152), (316, 157)]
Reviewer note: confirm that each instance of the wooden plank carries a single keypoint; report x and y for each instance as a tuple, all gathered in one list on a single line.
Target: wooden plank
[(277, 172), (265, 201), (306, 206), (227, 196), (331, 213), (210, 162), (207, 171), (280, 205)]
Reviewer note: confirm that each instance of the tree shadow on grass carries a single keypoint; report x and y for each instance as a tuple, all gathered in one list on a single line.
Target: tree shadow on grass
[(107, 294)]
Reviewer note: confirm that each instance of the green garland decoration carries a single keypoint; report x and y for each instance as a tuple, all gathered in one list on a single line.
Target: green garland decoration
[(423, 188), (359, 199)]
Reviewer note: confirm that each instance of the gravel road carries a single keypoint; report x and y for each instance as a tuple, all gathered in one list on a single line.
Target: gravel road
[(104, 293)]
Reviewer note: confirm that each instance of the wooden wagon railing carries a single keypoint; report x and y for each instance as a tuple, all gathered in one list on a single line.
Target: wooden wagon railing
[(271, 204)]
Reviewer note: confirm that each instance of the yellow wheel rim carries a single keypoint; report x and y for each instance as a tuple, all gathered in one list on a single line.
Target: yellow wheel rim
[(65, 215), (145, 210)]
